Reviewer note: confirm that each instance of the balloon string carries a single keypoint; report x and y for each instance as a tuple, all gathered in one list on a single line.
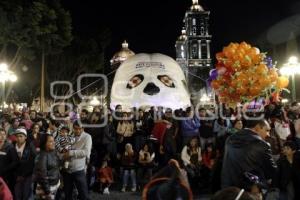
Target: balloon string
[(196, 76), (91, 84)]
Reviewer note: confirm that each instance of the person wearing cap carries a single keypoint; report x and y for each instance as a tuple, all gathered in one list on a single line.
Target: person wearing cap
[(247, 150), (79, 157), (24, 158)]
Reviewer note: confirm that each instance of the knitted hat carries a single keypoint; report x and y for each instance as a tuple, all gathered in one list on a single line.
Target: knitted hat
[(21, 131)]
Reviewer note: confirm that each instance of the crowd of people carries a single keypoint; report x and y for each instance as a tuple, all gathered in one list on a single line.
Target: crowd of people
[(157, 152)]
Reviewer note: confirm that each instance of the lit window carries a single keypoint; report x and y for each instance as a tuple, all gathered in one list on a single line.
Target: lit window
[(194, 30), (194, 21), (202, 30)]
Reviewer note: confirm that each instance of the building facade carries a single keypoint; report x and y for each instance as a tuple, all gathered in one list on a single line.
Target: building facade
[(193, 49)]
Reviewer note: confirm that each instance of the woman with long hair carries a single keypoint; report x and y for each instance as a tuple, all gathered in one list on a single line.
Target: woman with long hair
[(46, 171), (34, 136), (146, 164), (191, 156), (125, 130)]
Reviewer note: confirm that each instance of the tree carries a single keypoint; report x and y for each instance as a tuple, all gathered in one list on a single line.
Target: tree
[(51, 31), (82, 56), (50, 26), (14, 31), (31, 29)]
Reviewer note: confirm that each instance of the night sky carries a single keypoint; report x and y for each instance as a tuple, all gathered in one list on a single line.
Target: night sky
[(153, 25)]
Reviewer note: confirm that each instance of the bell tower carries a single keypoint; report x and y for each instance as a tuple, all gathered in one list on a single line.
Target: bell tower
[(194, 44)]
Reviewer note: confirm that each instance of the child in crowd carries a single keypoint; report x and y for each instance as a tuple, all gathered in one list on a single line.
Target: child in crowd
[(128, 164), (208, 156), (105, 176), (253, 185), (64, 142)]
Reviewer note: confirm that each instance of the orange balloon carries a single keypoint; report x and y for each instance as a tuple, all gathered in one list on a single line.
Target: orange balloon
[(233, 45), (245, 45), (273, 74), (256, 59), (241, 50), (264, 82), (254, 91), (246, 63), (241, 90), (261, 69), (220, 56), (282, 82), (215, 84), (229, 51), (228, 63)]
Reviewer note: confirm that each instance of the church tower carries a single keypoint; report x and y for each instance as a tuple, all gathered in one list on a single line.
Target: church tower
[(193, 48)]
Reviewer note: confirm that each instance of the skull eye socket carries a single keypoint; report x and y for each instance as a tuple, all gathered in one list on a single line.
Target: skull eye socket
[(135, 81), (166, 80)]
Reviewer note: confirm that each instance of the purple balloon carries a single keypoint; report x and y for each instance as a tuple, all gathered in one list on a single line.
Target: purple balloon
[(213, 74), (211, 71), (268, 61)]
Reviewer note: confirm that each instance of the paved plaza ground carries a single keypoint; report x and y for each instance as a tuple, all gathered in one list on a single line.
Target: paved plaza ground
[(117, 195)]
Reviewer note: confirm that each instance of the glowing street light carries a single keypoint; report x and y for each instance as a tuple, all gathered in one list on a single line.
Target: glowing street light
[(3, 67), (5, 75), (284, 101), (95, 102), (291, 68), (204, 98)]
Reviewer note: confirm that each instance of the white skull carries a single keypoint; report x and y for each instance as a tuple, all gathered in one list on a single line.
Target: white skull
[(150, 80)]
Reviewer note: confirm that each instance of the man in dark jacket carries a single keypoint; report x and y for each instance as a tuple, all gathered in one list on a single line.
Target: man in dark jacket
[(246, 151), (24, 158)]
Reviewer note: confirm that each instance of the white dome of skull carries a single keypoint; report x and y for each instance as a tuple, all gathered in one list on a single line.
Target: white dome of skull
[(146, 80)]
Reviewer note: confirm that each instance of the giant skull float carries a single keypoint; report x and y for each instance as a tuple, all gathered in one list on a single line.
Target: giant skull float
[(147, 80)]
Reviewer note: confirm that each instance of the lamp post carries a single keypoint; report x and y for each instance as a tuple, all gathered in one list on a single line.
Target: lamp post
[(5, 75), (291, 68)]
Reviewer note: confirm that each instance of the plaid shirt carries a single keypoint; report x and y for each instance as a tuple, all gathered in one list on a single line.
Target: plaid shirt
[(64, 143)]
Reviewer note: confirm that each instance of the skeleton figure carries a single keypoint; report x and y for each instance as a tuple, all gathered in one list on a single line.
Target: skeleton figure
[(150, 80)]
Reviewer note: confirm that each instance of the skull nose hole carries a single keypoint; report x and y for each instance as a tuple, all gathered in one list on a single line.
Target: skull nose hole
[(151, 89)]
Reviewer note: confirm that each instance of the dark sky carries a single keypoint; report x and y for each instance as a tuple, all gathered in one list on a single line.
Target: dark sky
[(154, 25)]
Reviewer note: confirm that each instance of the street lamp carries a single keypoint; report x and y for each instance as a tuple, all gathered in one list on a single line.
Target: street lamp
[(284, 101), (204, 98), (5, 75), (95, 102), (291, 68)]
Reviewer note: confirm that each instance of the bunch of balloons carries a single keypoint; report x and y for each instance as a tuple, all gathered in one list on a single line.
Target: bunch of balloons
[(243, 73)]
